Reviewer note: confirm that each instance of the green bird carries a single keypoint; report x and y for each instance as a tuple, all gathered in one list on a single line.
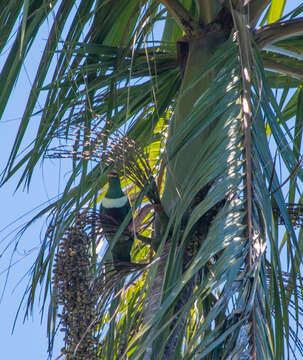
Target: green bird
[(114, 208)]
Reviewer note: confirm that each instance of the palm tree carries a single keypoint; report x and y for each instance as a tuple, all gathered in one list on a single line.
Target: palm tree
[(197, 104)]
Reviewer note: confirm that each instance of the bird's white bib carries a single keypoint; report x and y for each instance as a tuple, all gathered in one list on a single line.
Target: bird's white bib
[(114, 203)]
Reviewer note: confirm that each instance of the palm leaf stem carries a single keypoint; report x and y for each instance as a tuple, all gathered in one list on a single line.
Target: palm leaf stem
[(184, 17), (284, 69), (277, 31), (255, 9), (207, 10), (245, 58)]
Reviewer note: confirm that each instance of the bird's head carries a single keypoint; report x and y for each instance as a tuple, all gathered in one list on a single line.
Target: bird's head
[(113, 178), (114, 186), (113, 174)]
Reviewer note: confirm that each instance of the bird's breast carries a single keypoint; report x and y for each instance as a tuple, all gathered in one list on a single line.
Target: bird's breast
[(109, 203), (116, 213)]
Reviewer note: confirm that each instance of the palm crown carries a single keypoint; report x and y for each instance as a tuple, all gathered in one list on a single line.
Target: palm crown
[(191, 115)]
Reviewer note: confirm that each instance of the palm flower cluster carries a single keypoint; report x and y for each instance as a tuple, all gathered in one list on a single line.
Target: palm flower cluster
[(81, 144), (111, 148), (75, 294)]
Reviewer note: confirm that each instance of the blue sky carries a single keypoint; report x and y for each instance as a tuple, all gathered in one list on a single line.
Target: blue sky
[(29, 340)]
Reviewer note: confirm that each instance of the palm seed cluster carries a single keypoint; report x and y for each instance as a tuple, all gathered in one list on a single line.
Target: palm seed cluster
[(75, 294)]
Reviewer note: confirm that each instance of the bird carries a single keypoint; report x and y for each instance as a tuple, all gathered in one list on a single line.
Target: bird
[(114, 209)]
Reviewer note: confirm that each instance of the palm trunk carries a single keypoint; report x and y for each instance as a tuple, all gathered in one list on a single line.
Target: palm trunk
[(200, 49)]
